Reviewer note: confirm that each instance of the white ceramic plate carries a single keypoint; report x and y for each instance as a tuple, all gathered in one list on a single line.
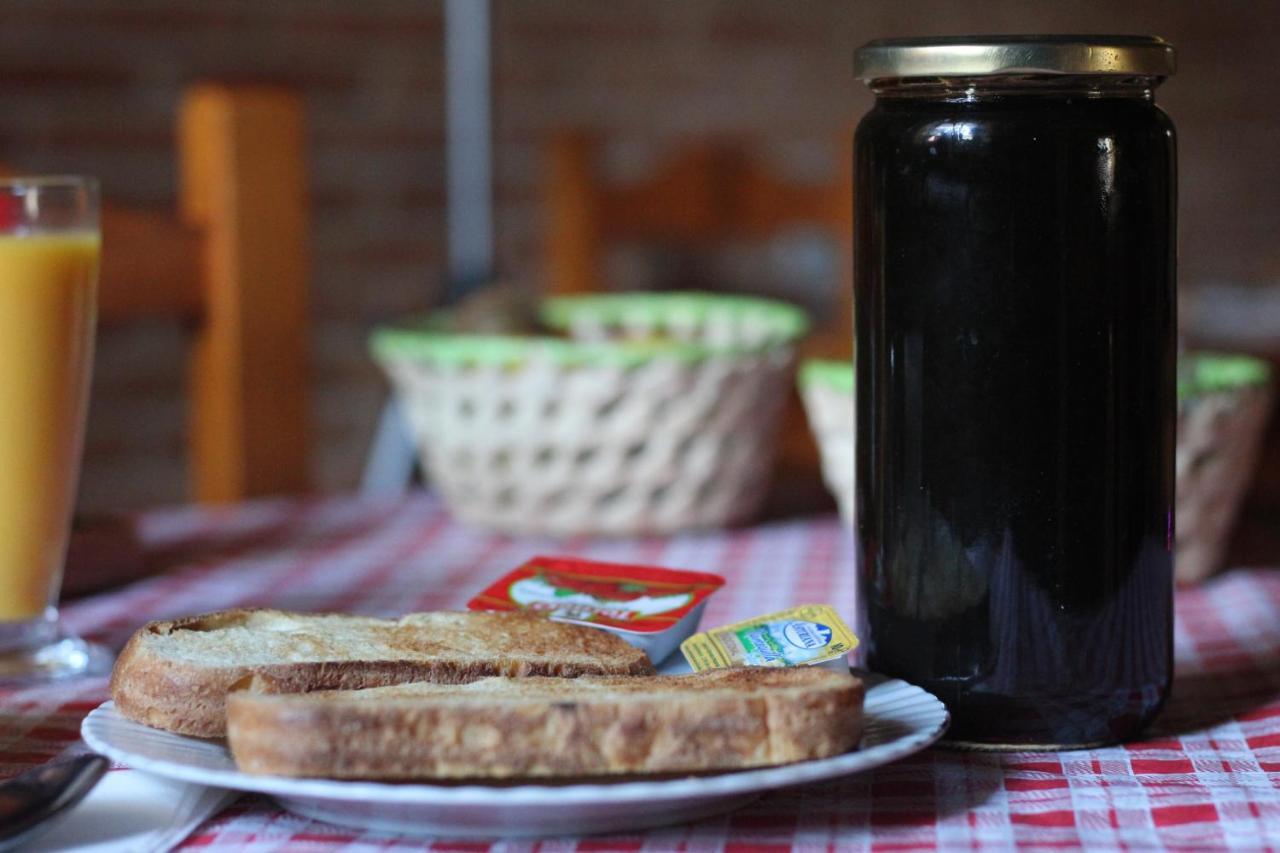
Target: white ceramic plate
[(900, 719)]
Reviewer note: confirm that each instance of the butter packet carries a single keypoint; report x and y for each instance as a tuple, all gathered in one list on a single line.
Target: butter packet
[(797, 636)]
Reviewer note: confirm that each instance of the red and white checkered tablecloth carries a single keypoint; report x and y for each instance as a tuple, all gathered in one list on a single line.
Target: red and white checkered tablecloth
[(1207, 776)]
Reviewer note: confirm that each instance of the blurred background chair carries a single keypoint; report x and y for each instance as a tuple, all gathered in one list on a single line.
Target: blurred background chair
[(231, 261), (704, 195)]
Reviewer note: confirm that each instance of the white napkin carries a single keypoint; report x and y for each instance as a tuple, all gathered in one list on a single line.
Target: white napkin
[(132, 811)]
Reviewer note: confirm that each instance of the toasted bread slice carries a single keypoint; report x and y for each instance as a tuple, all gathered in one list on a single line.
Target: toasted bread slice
[(175, 675), (550, 727)]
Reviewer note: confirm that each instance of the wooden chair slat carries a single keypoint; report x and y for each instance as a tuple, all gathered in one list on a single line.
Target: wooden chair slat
[(244, 188), (150, 267)]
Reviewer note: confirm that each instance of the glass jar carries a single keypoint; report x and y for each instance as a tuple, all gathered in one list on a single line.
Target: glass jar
[(1015, 353)]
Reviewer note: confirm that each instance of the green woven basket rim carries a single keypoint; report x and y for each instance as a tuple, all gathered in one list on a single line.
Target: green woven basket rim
[(827, 373), (424, 340), (1202, 373)]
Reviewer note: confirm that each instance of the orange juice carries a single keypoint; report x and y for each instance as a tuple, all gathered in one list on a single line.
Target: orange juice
[(48, 284)]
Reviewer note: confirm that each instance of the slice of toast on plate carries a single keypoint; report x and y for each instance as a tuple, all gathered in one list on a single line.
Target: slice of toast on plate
[(175, 675), (506, 728)]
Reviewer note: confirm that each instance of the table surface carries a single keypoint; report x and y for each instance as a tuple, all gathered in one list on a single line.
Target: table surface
[(1208, 775)]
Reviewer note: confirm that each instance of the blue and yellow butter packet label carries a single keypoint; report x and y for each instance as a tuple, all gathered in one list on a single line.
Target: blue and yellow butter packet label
[(797, 636)]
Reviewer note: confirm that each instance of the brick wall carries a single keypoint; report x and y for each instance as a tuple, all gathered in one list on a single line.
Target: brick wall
[(90, 86)]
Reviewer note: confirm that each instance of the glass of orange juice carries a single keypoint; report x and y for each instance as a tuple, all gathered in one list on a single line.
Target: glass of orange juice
[(49, 246)]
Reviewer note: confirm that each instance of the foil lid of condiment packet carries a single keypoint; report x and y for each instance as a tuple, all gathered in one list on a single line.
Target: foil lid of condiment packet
[(645, 599), (797, 636), (650, 607)]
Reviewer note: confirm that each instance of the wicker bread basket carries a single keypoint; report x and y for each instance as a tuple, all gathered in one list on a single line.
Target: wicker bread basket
[(827, 390), (1223, 402), (654, 413)]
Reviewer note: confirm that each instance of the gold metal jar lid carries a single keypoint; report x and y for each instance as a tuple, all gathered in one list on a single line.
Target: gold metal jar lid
[(984, 56)]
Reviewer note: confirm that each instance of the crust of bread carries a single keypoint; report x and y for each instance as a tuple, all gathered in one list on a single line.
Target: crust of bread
[(503, 728), (189, 698)]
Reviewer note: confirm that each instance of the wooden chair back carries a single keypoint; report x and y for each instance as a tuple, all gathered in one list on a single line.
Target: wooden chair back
[(231, 261), (708, 191)]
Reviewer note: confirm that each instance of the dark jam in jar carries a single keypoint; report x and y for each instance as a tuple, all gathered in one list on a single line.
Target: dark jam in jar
[(1015, 350)]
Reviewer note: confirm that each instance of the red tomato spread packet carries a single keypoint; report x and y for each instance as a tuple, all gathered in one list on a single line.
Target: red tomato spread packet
[(643, 599)]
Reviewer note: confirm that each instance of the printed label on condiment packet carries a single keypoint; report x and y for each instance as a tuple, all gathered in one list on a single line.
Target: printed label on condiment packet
[(797, 636), (642, 599)]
